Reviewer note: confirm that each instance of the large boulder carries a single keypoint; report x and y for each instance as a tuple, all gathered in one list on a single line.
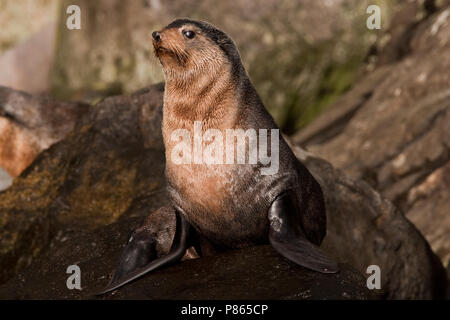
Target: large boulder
[(110, 168), (113, 161), (392, 129)]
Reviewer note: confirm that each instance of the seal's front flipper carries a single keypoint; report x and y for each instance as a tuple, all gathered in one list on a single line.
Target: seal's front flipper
[(288, 239), (134, 261), (138, 253)]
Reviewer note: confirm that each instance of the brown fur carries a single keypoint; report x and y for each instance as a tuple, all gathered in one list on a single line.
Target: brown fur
[(205, 93), (227, 204)]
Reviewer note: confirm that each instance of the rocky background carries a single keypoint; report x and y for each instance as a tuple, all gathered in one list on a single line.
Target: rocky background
[(79, 176), (392, 129)]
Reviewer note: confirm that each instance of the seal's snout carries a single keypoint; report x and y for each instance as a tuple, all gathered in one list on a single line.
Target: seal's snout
[(157, 44), (156, 36)]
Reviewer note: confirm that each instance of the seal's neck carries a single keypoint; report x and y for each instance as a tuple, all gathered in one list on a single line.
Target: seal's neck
[(208, 96)]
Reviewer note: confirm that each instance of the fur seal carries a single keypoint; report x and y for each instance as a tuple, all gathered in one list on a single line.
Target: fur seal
[(225, 206)]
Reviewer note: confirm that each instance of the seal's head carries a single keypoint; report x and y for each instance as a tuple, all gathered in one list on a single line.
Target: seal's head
[(190, 46)]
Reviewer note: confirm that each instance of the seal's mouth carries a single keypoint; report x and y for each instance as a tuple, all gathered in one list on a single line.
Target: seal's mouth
[(158, 49), (161, 51)]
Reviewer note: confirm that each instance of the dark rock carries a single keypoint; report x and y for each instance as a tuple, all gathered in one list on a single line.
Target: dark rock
[(396, 134), (252, 273), (113, 161), (448, 282)]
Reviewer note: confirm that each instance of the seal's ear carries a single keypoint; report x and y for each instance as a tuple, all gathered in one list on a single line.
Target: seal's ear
[(288, 238)]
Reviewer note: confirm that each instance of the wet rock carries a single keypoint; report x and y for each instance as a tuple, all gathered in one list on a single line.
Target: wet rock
[(252, 273), (395, 133), (111, 162), (30, 124)]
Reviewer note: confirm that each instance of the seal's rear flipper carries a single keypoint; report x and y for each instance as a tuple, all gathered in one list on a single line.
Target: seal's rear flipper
[(140, 249), (288, 239)]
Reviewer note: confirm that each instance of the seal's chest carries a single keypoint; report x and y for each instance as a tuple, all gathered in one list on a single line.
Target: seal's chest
[(202, 181), (219, 201)]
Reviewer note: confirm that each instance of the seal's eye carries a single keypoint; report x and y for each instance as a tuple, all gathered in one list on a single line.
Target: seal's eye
[(189, 34)]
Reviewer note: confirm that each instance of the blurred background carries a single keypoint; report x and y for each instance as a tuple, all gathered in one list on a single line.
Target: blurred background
[(374, 103)]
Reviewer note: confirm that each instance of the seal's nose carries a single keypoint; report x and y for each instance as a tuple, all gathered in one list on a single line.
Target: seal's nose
[(156, 36)]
